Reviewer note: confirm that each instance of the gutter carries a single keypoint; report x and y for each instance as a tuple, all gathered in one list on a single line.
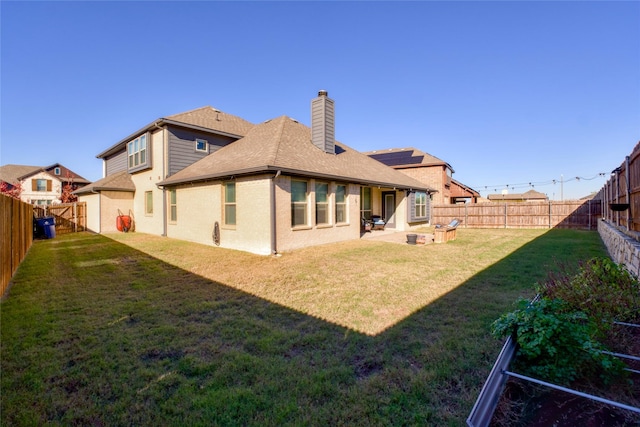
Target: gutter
[(272, 190)]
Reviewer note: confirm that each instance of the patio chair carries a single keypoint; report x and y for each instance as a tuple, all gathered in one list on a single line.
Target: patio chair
[(378, 222)]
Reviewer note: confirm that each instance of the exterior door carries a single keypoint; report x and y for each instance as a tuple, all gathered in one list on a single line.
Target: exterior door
[(389, 209)]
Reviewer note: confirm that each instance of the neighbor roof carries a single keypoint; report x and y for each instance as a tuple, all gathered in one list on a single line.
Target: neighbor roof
[(529, 195), (406, 158), (120, 181), (206, 119), (285, 145), (15, 173)]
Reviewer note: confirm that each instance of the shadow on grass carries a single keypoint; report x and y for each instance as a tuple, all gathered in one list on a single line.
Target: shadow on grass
[(155, 344)]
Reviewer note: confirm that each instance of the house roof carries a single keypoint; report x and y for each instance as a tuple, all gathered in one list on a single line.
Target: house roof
[(465, 187), (283, 144), (406, 157), (120, 181), (529, 195), (207, 119), (15, 173)]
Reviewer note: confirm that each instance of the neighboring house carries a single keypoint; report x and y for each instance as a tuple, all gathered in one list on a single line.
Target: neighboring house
[(529, 196), (213, 178), (41, 185), (429, 170)]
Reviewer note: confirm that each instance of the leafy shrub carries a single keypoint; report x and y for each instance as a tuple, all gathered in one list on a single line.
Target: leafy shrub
[(602, 289), (556, 342)]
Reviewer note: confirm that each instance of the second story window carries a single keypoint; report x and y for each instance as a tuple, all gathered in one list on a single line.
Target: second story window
[(41, 185), (202, 145), (56, 171), (137, 152)]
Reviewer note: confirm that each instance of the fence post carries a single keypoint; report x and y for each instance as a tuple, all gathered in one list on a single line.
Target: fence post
[(505, 215), (465, 214), (75, 217), (550, 209)]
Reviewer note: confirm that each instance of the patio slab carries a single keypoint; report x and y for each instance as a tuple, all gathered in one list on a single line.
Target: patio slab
[(393, 236)]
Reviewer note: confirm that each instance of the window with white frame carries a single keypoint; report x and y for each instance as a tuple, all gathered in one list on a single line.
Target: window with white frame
[(41, 185), (137, 152), (56, 171), (418, 206), (421, 204), (148, 202), (322, 203), (230, 203), (341, 203), (202, 145), (298, 203), (173, 206)]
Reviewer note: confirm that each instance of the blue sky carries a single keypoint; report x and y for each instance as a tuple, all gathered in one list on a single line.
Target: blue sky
[(508, 93)]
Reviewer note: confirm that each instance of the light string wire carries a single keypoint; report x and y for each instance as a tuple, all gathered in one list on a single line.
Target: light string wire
[(533, 184)]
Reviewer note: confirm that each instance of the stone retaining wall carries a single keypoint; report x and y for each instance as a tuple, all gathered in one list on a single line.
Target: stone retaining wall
[(622, 248)]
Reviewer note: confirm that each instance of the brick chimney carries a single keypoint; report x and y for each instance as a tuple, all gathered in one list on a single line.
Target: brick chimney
[(322, 123)]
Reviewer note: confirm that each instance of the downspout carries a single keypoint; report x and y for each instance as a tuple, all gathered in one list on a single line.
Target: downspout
[(272, 191)]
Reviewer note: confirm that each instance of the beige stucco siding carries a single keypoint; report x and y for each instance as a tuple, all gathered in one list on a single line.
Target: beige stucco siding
[(93, 211), (199, 207), (146, 181), (112, 203)]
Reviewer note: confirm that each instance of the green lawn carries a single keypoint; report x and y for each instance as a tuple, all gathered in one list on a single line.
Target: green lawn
[(133, 329)]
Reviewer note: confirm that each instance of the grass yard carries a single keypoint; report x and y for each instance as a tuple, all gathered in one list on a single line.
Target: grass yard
[(132, 329)]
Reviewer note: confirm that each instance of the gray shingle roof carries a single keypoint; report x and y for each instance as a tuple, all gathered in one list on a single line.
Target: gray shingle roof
[(205, 118), (284, 144), (13, 173), (120, 181)]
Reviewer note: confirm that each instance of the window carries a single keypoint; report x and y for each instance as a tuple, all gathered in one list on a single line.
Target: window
[(298, 203), (148, 202), (230, 203), (421, 205), (41, 185), (322, 203), (56, 171), (173, 206), (201, 145), (418, 206), (137, 151), (341, 203), (365, 202)]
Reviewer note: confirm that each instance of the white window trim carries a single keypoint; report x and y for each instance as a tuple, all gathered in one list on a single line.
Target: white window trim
[(206, 146)]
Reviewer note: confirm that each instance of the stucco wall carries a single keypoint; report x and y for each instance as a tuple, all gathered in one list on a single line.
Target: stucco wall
[(93, 210), (28, 195), (146, 181), (111, 204), (622, 248)]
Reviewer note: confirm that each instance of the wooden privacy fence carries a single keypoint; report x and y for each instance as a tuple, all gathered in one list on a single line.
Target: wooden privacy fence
[(621, 194), (16, 236), (581, 214), (69, 217)]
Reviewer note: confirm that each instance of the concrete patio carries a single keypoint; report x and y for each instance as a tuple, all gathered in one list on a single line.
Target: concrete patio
[(393, 236)]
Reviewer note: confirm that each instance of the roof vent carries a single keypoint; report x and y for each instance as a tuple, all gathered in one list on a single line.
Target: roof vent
[(322, 123)]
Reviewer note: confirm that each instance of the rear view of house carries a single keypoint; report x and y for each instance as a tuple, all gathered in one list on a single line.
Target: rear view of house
[(213, 178)]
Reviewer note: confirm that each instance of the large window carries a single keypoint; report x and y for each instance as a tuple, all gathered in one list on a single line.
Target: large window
[(173, 206), (365, 202), (418, 207), (137, 151), (421, 204), (148, 202), (298, 203), (341, 203), (230, 203), (322, 203)]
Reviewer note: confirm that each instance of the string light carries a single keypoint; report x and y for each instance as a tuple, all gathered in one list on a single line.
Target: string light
[(533, 184)]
